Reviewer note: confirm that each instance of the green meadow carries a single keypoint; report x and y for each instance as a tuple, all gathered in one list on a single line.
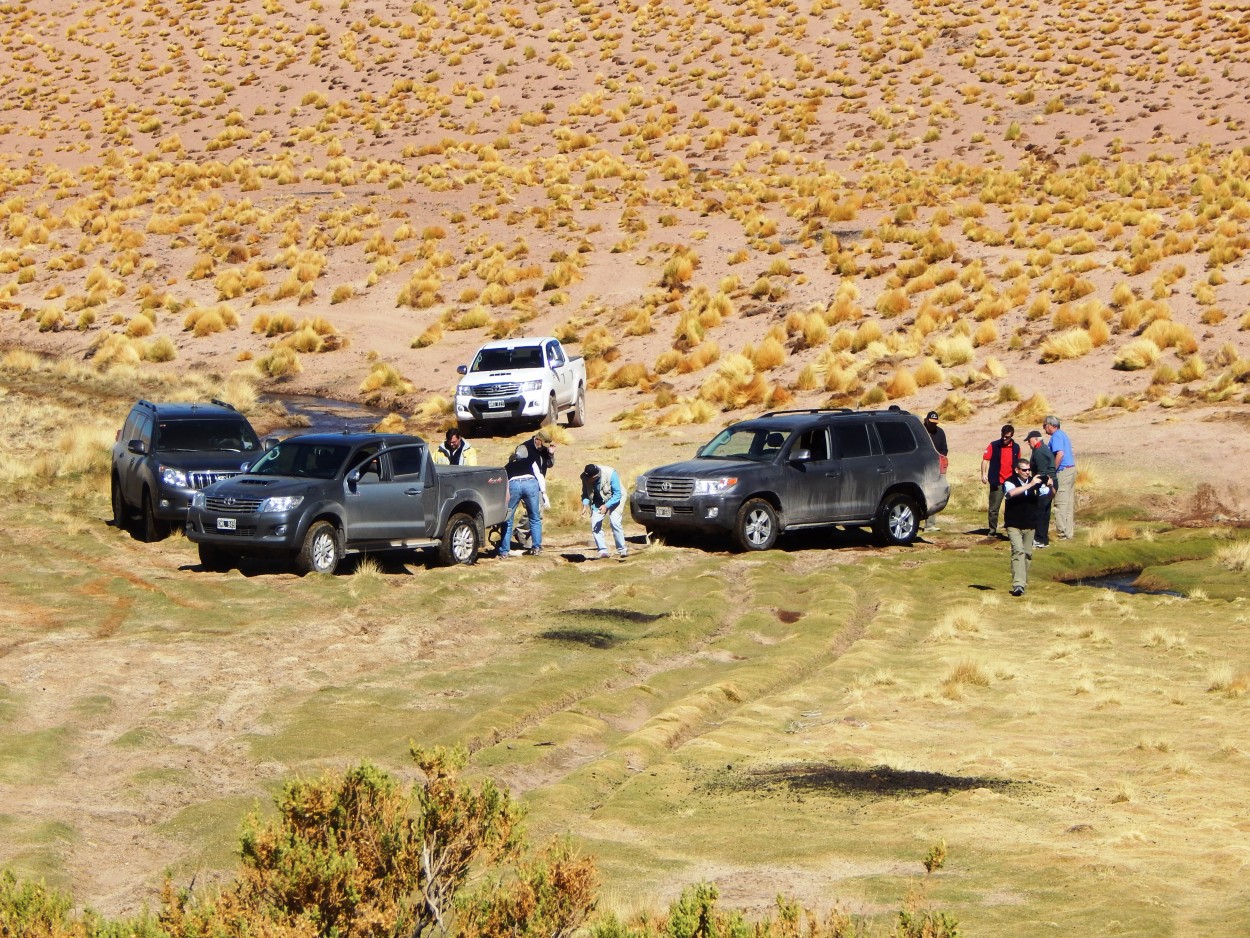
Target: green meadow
[(809, 721)]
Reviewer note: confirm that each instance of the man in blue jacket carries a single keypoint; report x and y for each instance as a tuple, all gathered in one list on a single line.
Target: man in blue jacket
[(603, 495)]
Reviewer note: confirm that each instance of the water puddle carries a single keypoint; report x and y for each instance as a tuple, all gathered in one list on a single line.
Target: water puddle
[(1125, 581), (310, 414)]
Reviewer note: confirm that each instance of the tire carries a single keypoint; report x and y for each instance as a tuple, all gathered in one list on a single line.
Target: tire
[(154, 529), (214, 559), (460, 542), (322, 549), (121, 511), (897, 521), (577, 416), (756, 526), (553, 413)]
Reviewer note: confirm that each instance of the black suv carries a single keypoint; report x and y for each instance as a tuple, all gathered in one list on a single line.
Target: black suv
[(800, 469), (165, 453)]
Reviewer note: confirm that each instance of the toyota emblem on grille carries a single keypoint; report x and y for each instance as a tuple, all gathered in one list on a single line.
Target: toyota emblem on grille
[(666, 485), (230, 502)]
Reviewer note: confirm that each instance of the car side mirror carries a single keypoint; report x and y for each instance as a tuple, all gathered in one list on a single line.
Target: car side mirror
[(269, 443), (462, 369), (800, 455), (138, 447)]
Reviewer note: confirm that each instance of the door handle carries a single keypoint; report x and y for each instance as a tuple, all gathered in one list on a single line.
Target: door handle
[(412, 491)]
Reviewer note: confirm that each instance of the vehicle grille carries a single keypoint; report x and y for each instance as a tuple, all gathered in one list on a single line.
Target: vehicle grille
[(248, 531), (202, 480), (231, 506), (496, 390), (670, 488), (678, 510)]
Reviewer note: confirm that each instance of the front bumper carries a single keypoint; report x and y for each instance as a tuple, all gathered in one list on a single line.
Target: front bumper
[(271, 531), (513, 407), (696, 513)]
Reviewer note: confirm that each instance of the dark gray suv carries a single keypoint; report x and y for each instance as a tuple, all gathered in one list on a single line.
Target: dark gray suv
[(165, 453), (800, 469)]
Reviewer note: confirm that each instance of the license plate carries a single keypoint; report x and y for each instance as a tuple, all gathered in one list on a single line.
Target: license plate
[(663, 511), (495, 405), (226, 524)]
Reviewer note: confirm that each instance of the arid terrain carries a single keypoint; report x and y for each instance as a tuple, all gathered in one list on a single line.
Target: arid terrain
[(993, 210)]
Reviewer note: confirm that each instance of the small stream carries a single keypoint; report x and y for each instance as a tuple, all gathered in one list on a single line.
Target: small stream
[(1125, 581), (312, 414)]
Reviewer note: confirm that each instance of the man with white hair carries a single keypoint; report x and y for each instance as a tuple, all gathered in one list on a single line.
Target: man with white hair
[(1065, 478)]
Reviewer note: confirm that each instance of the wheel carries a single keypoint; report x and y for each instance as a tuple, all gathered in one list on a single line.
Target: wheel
[(553, 413), (577, 416), (756, 525), (121, 511), (460, 541), (322, 551), (897, 521), (154, 529), (214, 559)]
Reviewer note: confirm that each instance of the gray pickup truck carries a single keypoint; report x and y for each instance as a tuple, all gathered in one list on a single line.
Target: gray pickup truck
[(318, 497)]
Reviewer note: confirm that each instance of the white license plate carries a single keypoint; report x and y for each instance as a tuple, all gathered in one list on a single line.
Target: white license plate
[(495, 405), (226, 524), (663, 511)]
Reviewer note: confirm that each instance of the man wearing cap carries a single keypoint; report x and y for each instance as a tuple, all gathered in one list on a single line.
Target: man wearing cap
[(1042, 463), (996, 467), (1065, 478), (1022, 489), (603, 495), (527, 482), (938, 436)]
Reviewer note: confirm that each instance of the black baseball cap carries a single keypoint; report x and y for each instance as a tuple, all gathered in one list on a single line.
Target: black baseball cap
[(1034, 435), (932, 415)]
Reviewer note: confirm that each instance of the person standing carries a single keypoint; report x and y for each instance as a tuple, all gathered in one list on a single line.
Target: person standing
[(938, 436), (996, 467), (603, 495), (455, 450), (1022, 492), (527, 482), (1065, 478), (1042, 463)]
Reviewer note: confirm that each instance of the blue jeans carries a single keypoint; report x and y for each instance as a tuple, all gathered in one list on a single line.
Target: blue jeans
[(526, 490), (618, 531)]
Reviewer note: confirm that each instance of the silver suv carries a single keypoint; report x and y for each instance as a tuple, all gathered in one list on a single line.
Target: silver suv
[(165, 453), (800, 469)]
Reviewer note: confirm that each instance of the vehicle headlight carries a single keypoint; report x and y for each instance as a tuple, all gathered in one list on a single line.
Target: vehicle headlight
[(640, 484), (714, 486), (535, 385), (276, 503), (464, 390), (172, 476), (197, 500)]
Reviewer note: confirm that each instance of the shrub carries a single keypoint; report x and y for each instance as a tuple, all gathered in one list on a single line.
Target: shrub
[(1071, 343)]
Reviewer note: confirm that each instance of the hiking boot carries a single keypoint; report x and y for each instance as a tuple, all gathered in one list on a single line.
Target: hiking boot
[(1017, 591), (534, 552), (604, 555)]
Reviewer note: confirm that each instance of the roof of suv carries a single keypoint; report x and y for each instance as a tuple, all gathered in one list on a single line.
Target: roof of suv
[(802, 418), (214, 408), (353, 439)]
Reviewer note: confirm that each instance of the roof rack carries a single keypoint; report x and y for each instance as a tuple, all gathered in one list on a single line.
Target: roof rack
[(221, 403), (810, 410)]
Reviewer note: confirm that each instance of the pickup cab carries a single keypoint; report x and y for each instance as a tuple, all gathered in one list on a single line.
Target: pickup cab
[(519, 381), (317, 497)]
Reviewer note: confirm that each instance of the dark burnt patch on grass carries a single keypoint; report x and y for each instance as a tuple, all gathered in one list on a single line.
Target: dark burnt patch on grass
[(594, 638), (866, 782), (614, 615)]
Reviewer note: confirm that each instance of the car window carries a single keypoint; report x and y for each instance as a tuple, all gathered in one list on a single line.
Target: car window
[(205, 436), (293, 458), (851, 440), (815, 441), (554, 355), (144, 430), (760, 444), (128, 431), (407, 461), (896, 437), (505, 359)]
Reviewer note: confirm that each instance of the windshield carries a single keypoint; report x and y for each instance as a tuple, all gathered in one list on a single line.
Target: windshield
[(506, 359), (309, 460), (208, 435), (759, 444)]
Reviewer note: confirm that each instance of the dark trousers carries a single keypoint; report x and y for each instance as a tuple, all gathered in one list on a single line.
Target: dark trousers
[(1042, 534)]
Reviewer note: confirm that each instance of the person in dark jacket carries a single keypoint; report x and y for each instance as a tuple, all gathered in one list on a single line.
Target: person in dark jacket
[(1042, 463), (527, 481), (938, 436), (1022, 490), (996, 467)]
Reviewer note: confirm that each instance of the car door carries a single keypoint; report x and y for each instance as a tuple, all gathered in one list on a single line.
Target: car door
[(144, 431), (369, 496), (816, 479), (864, 472)]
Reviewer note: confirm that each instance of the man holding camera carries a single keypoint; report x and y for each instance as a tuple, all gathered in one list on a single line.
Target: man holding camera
[(1021, 493)]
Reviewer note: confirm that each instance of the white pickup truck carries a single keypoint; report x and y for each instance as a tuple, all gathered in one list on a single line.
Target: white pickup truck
[(521, 380)]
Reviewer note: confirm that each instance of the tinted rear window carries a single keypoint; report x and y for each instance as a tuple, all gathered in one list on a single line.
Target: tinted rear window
[(896, 437), (208, 435), (851, 440)]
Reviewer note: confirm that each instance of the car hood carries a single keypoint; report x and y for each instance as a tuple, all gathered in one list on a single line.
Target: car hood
[(707, 468), (255, 486), (200, 462)]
